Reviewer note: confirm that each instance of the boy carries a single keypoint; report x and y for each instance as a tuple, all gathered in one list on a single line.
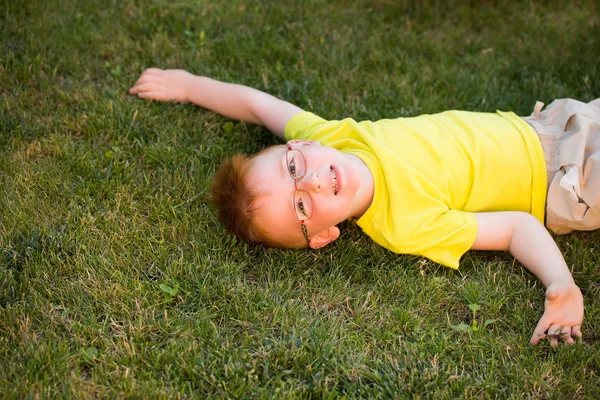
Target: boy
[(434, 186)]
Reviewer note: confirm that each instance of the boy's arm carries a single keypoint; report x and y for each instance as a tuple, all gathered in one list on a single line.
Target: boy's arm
[(530, 243), (230, 100)]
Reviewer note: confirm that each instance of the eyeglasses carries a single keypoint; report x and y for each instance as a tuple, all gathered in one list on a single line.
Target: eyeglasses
[(296, 166)]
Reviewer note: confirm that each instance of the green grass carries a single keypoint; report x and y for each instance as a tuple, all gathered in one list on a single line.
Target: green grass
[(116, 280)]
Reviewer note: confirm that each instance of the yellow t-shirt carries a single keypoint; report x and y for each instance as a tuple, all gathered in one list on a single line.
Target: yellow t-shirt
[(432, 172)]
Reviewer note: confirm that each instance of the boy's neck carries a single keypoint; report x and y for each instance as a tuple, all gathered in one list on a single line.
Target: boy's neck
[(364, 196)]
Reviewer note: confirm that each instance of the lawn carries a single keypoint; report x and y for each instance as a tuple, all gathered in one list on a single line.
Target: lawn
[(116, 279)]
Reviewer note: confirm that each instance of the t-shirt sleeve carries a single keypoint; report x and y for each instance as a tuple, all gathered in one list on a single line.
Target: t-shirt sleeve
[(443, 238), (304, 126)]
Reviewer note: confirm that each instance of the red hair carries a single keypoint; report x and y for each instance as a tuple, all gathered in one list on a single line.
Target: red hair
[(235, 201)]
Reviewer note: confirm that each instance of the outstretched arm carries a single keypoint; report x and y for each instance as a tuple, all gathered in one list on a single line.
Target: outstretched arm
[(530, 243), (230, 100)]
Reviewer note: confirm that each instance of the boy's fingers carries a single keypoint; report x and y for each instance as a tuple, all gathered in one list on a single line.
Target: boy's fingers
[(535, 338), (134, 89), (554, 330), (153, 71), (146, 87), (565, 334), (150, 95), (539, 330), (149, 79)]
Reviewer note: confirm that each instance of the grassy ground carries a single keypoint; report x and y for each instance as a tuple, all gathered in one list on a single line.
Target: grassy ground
[(116, 280)]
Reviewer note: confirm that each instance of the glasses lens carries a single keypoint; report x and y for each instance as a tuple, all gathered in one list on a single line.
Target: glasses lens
[(295, 163), (302, 205)]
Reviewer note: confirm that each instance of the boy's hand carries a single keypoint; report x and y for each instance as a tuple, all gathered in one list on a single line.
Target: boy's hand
[(162, 85), (563, 314)]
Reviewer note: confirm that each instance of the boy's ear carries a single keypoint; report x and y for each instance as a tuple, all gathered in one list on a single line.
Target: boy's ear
[(324, 238)]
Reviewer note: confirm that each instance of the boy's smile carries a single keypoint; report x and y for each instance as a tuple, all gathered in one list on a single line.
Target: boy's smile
[(335, 181), (338, 185)]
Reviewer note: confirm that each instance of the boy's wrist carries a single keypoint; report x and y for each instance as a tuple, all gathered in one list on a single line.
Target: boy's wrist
[(566, 279), (185, 83), (561, 284)]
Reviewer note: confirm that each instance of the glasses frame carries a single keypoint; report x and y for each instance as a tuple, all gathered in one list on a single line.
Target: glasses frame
[(293, 145)]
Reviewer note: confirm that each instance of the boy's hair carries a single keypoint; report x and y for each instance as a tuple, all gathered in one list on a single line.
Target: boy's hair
[(235, 201)]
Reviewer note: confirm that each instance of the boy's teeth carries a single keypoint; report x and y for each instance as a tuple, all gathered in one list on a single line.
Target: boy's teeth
[(334, 181)]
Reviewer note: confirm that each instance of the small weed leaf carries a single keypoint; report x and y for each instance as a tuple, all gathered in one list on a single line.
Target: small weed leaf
[(168, 290), (474, 307), (90, 353), (462, 327), (488, 322)]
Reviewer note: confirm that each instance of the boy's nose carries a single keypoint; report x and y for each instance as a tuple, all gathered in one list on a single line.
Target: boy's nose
[(310, 182)]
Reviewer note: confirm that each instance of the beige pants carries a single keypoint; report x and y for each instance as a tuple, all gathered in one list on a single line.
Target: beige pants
[(570, 134)]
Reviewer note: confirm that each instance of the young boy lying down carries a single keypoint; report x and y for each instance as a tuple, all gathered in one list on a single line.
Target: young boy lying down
[(433, 185)]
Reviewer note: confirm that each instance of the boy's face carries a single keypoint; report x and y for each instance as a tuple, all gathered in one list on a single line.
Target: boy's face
[(330, 202)]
